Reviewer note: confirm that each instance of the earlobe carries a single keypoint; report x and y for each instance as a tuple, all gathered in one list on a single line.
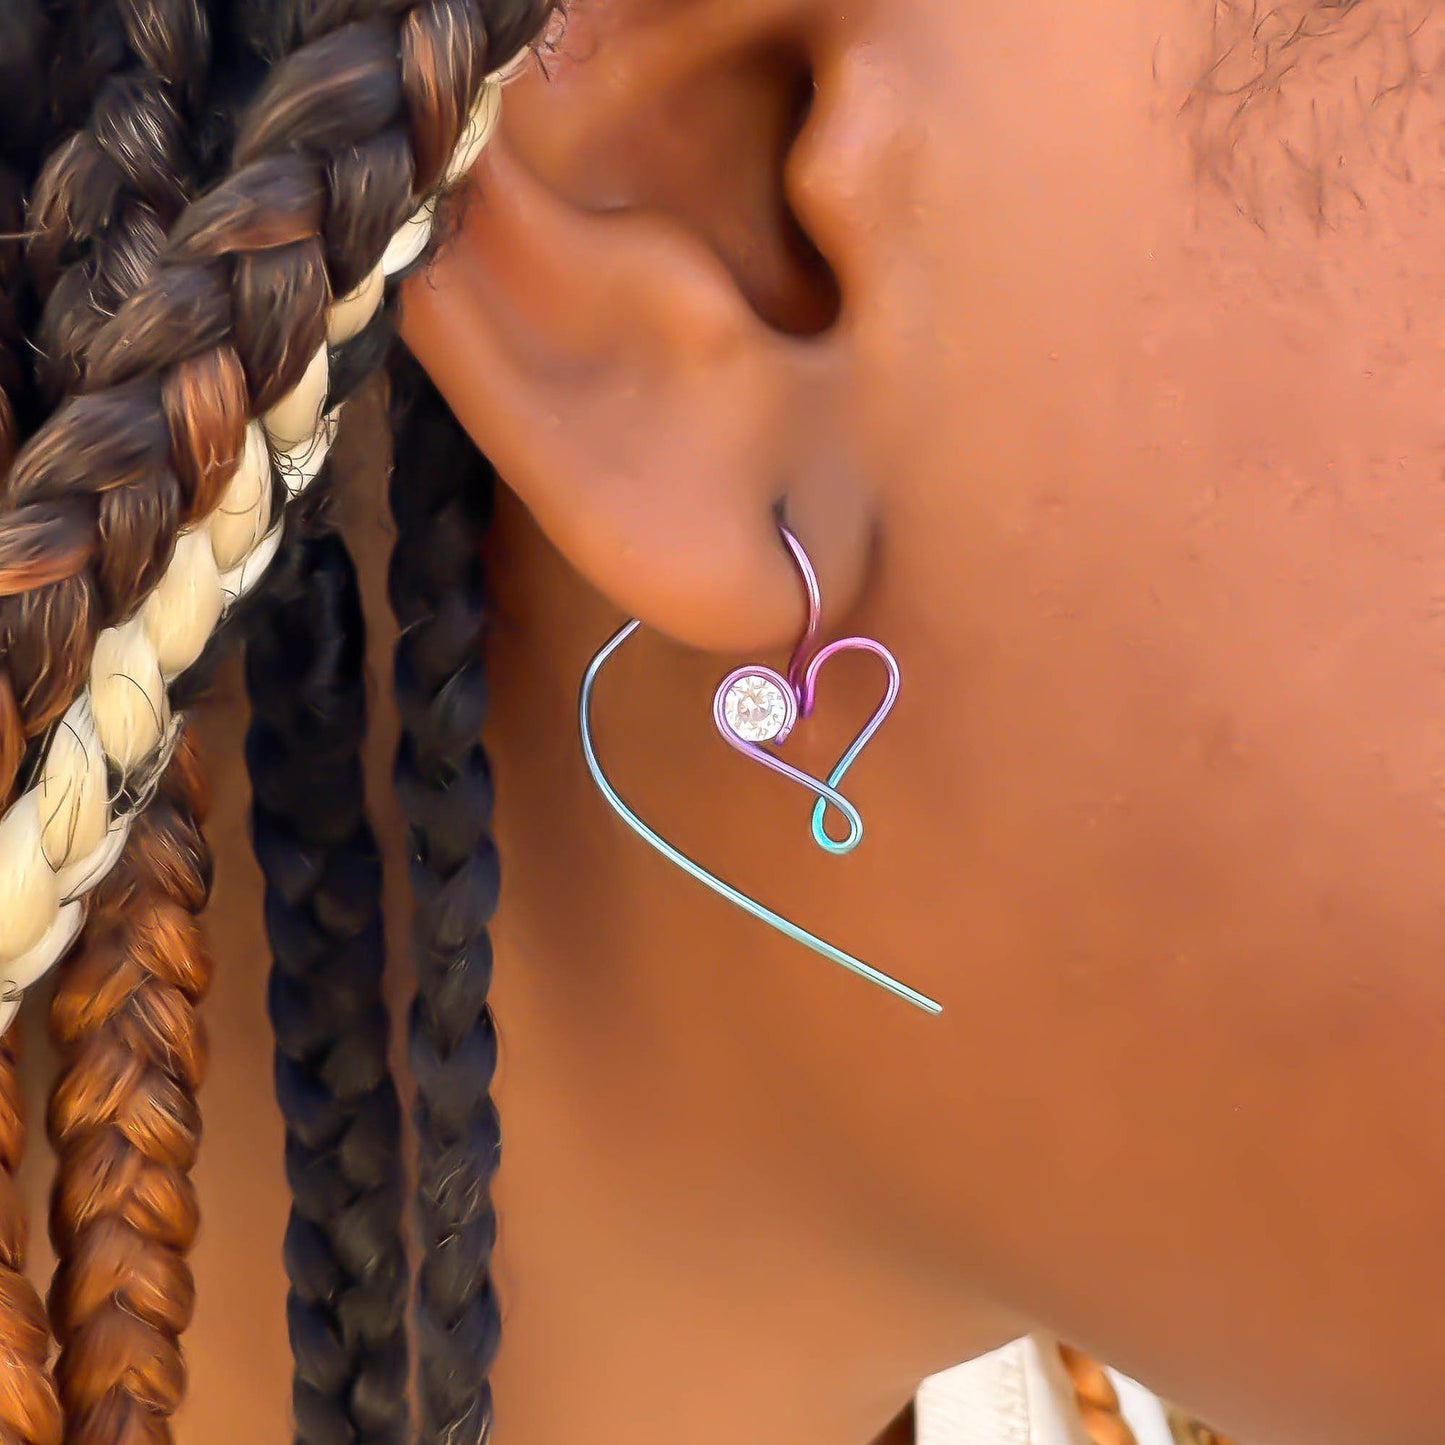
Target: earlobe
[(649, 420)]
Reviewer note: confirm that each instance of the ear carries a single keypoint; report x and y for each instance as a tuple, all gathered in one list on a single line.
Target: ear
[(652, 381)]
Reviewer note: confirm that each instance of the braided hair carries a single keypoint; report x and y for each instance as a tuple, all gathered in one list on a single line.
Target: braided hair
[(125, 1126), (441, 492), (344, 1256), (345, 143), (129, 77), (348, 1276), (189, 334), (1097, 1399), (29, 1409), (129, 80)]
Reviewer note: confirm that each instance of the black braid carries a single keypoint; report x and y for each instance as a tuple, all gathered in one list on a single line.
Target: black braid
[(441, 492), (343, 1253)]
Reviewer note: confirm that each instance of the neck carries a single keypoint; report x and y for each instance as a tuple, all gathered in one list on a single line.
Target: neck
[(691, 1242), (672, 1269)]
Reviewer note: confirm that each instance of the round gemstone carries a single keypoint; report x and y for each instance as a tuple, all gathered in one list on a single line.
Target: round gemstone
[(755, 709)]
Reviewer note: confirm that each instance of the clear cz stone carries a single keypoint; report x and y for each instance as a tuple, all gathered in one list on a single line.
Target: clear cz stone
[(755, 709)]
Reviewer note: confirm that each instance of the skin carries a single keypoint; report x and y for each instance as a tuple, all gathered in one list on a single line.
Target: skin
[(1098, 351), (1109, 398)]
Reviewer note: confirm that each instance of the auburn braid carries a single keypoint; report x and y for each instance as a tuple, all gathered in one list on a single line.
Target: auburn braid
[(441, 491), (344, 1254), (1097, 1399), (125, 1125), (110, 191)]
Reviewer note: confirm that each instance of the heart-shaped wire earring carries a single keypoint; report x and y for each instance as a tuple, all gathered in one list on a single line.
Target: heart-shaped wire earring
[(756, 708)]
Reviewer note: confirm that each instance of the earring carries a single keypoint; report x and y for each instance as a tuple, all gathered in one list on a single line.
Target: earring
[(756, 708)]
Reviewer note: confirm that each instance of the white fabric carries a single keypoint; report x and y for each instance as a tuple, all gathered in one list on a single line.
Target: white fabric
[(1143, 1410), (1022, 1395)]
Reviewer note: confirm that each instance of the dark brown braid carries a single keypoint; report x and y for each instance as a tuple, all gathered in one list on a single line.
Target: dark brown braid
[(15, 372), (110, 191), (125, 1125), (345, 137)]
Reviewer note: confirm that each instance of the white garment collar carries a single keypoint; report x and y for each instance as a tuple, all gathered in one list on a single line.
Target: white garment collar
[(1021, 1395)]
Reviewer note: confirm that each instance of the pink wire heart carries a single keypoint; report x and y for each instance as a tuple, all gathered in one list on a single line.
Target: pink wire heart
[(756, 705)]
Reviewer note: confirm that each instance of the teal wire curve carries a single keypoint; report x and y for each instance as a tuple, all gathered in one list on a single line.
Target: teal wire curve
[(830, 799), (836, 846), (711, 880)]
